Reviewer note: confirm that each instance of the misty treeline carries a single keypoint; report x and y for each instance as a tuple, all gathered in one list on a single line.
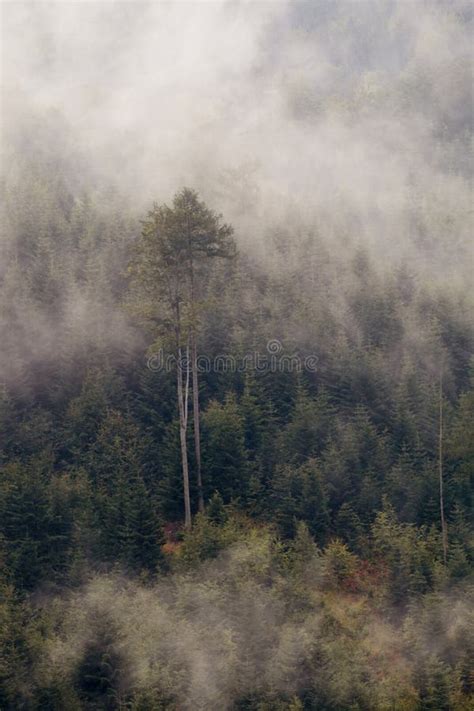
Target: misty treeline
[(247, 538), (313, 575)]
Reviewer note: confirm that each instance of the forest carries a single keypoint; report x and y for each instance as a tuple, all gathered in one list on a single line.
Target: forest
[(237, 385)]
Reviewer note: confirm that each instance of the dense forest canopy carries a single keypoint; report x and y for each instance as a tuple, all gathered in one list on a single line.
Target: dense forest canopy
[(236, 339)]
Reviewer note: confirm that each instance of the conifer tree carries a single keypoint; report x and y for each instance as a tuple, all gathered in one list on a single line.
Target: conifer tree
[(170, 270), (225, 455)]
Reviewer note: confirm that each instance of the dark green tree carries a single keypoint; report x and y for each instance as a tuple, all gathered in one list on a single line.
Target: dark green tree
[(224, 452)]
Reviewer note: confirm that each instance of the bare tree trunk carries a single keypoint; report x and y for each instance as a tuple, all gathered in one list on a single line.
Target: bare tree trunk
[(183, 424), (196, 412), (196, 420), (444, 530)]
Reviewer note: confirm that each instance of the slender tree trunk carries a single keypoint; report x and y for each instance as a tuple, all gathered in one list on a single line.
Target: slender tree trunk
[(196, 412), (444, 530), (196, 419), (183, 424)]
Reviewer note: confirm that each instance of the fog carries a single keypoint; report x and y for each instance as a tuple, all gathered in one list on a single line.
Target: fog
[(335, 137), (235, 627), (353, 111), (348, 121)]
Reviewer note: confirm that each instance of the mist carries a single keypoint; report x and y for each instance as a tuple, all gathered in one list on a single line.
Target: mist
[(348, 120), (238, 628), (325, 558), (340, 109)]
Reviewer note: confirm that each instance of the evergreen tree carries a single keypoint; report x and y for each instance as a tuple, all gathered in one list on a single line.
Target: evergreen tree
[(224, 452), (169, 272), (101, 672)]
